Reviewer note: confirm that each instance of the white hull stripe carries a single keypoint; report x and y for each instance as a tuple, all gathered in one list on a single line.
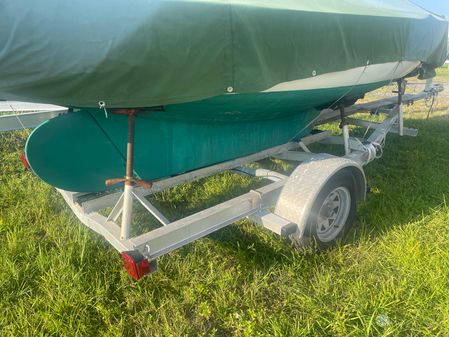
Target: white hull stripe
[(356, 76)]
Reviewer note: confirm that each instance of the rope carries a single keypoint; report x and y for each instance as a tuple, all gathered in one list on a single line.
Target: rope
[(338, 100), (102, 105), (378, 147), (389, 83), (353, 86), (17, 116), (385, 94)]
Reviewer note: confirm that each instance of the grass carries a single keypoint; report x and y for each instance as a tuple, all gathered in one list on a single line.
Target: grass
[(390, 278)]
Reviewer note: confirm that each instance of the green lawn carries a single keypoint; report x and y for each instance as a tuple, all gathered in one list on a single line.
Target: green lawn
[(390, 278)]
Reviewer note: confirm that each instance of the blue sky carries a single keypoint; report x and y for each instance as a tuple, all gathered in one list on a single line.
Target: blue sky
[(436, 6)]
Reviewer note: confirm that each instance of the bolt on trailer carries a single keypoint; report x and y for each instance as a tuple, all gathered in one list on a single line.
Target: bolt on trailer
[(315, 205)]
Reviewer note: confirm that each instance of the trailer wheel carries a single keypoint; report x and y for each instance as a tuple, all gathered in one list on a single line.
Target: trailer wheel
[(332, 214)]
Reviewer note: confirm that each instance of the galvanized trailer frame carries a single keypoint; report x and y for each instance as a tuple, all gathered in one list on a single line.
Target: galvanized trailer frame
[(283, 206)]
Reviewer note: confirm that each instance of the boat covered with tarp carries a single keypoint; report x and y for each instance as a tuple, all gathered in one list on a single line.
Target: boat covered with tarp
[(214, 80)]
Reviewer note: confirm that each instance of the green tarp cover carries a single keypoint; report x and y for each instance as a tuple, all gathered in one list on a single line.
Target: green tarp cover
[(143, 53)]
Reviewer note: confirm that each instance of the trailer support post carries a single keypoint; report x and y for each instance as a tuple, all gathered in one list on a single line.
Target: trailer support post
[(129, 181), (345, 129), (128, 190), (127, 212), (429, 85), (401, 90)]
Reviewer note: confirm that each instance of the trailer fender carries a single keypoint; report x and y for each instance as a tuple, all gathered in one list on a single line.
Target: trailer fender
[(305, 193)]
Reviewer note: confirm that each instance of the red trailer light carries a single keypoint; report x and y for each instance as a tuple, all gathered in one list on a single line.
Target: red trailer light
[(135, 264), (25, 161)]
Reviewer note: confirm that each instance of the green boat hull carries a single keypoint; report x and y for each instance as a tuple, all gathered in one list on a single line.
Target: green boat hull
[(80, 150)]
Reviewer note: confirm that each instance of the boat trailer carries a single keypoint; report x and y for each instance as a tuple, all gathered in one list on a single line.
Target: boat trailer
[(315, 205)]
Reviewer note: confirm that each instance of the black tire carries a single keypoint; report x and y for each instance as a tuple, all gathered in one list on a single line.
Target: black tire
[(310, 239)]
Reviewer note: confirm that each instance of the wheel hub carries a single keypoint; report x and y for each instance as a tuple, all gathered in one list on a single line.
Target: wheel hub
[(333, 214)]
